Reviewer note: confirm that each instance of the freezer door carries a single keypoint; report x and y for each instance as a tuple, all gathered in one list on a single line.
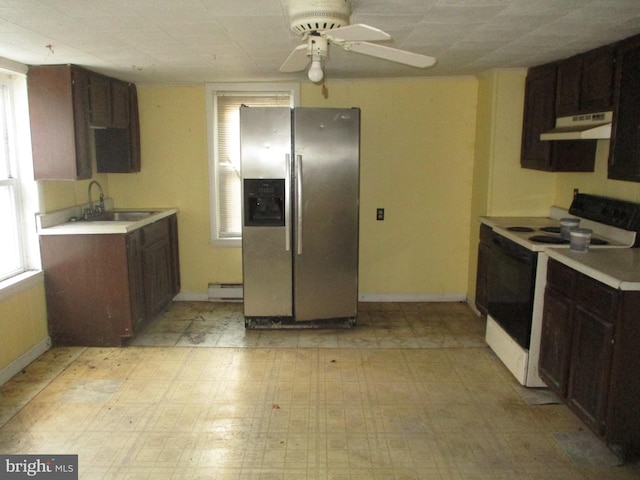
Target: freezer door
[(326, 186), (265, 149)]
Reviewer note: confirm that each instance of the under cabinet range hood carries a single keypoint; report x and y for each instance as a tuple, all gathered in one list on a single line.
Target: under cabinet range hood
[(590, 126)]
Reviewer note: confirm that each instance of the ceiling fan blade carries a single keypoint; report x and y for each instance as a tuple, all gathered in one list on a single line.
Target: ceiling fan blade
[(297, 60), (357, 32), (392, 54)]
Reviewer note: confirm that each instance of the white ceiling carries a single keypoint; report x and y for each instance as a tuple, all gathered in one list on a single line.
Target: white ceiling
[(160, 41)]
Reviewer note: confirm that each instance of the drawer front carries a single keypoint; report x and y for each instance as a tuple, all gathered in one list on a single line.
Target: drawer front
[(154, 232), (561, 278), (600, 298)]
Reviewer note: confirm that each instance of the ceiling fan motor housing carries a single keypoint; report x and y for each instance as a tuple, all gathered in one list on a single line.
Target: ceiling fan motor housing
[(317, 15)]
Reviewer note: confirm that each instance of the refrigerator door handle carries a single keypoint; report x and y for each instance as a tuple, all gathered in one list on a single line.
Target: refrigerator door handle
[(298, 172), (287, 209)]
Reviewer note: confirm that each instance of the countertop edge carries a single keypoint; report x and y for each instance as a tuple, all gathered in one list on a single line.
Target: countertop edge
[(580, 263), (106, 228)]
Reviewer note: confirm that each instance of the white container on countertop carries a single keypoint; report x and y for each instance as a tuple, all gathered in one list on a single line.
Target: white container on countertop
[(566, 224), (580, 239)]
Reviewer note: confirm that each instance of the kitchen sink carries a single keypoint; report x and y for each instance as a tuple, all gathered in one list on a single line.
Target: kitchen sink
[(130, 216)]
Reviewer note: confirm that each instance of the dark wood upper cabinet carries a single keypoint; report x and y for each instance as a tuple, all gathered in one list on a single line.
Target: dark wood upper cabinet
[(585, 82), (118, 148), (99, 100), (598, 74), (109, 102), (120, 104), (58, 112), (539, 117), (624, 155), (69, 107), (568, 86)]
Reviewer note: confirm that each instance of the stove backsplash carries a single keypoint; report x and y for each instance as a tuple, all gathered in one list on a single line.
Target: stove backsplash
[(609, 211)]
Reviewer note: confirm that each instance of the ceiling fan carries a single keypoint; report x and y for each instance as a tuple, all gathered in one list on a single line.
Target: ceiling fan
[(325, 22)]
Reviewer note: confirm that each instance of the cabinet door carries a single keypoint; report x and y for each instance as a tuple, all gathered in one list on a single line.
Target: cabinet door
[(156, 261), (80, 81), (99, 100), (136, 279), (60, 139), (118, 149), (624, 155), (568, 86), (175, 256), (482, 279), (596, 88), (556, 340), (539, 116), (594, 312), (134, 130), (590, 368), (119, 104)]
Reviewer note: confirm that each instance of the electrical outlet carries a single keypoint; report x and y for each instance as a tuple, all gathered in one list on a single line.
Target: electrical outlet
[(380, 214)]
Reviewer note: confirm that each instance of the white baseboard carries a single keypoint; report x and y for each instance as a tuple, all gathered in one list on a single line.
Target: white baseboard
[(363, 297), (192, 297), (24, 360), (412, 297)]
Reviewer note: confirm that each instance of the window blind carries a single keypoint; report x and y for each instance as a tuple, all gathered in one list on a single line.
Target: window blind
[(228, 189)]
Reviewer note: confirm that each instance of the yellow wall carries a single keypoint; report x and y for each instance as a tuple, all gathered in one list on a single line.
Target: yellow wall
[(417, 154), (597, 182), (22, 324), (417, 141), (420, 161), (436, 154), (175, 174)]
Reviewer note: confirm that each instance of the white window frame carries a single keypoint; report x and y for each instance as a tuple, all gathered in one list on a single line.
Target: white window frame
[(24, 187), (213, 90)]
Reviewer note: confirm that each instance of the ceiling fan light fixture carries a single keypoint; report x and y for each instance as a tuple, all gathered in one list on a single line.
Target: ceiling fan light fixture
[(315, 71)]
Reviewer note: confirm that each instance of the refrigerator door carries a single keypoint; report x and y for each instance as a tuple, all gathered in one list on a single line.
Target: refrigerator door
[(326, 192), (265, 150)]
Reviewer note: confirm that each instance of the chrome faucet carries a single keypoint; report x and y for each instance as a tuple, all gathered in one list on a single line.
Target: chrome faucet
[(98, 209)]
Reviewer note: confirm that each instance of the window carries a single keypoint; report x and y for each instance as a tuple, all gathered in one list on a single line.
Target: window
[(223, 104), (19, 252), (11, 255)]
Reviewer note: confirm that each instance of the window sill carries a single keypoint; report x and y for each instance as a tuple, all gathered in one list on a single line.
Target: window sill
[(227, 242), (19, 283)]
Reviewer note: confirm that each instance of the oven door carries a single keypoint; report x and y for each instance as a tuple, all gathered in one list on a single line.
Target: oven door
[(511, 278)]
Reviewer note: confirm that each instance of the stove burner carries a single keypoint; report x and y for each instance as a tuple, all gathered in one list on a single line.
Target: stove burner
[(551, 229), (548, 239), (520, 229)]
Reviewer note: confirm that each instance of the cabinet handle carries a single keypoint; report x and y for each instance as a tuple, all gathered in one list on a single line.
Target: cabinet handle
[(287, 208), (299, 203)]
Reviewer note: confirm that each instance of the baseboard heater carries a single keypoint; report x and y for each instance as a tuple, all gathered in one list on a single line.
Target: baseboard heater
[(225, 292)]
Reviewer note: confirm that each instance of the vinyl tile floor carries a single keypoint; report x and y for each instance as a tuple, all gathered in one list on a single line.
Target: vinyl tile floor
[(411, 392)]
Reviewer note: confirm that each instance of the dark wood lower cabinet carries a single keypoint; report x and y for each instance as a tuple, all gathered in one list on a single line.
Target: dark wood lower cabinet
[(589, 354), (482, 280), (101, 289), (590, 368), (555, 354)]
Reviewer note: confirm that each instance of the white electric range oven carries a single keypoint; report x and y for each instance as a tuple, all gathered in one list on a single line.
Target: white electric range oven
[(517, 272)]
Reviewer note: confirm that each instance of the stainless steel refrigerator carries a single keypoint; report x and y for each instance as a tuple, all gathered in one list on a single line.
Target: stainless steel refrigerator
[(300, 191)]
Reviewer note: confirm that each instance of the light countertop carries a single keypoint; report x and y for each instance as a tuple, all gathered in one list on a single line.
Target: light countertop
[(618, 268), (57, 223)]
